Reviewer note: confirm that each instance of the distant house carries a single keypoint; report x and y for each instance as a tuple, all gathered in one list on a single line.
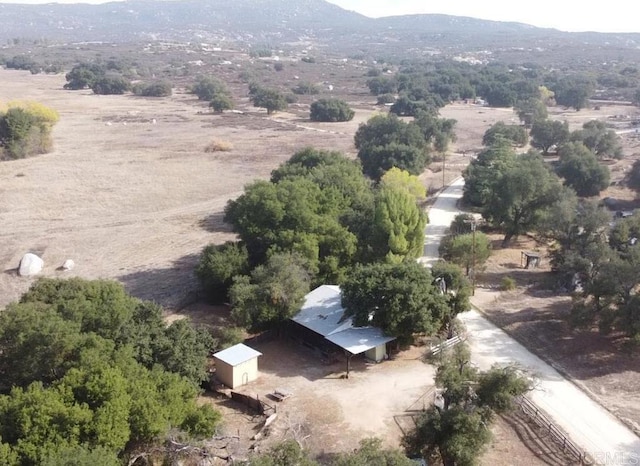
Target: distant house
[(321, 323), (237, 365)]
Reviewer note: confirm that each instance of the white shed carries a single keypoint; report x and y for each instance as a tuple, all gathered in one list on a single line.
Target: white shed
[(237, 365)]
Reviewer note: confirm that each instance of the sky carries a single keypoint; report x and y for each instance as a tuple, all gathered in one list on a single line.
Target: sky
[(566, 15)]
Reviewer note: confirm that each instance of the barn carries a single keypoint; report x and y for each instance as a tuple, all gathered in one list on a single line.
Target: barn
[(321, 323), (237, 365)]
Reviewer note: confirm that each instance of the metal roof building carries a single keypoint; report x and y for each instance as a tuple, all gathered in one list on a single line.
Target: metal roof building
[(237, 365), (323, 313)]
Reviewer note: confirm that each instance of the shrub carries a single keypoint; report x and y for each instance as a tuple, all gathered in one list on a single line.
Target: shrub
[(155, 89), (507, 284), (278, 66), (111, 85), (25, 129), (221, 102), (207, 87), (306, 88), (218, 146), (386, 99), (331, 110)]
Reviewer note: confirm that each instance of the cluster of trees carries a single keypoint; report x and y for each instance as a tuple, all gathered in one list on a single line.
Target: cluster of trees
[(599, 262), (514, 191), (214, 91), (320, 220), (101, 78), (114, 77), (87, 371), (456, 429), (25, 129)]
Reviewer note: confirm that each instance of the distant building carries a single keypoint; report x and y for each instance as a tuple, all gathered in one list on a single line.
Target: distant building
[(237, 365), (321, 323)]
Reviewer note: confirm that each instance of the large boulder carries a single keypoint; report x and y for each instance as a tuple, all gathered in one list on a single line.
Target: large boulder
[(30, 265)]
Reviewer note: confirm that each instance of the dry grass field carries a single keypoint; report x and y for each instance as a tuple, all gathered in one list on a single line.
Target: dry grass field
[(129, 193)]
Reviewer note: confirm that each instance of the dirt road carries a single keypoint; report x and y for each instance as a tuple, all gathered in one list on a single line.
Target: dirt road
[(588, 424)]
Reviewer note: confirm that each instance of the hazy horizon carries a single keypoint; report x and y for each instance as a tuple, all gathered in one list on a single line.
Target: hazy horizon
[(618, 16)]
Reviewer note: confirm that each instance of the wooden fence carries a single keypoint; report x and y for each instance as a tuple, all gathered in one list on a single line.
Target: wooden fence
[(531, 410), (450, 343), (255, 404)]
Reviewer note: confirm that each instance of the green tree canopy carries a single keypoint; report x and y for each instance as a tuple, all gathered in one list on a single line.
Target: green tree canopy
[(221, 102), (153, 89), (272, 294), (400, 299), (371, 453), (385, 142), (457, 292), (515, 134), (84, 75), (580, 169), (519, 196), (604, 142), (73, 310), (461, 250), (531, 110), (218, 264), (398, 226), (482, 173), (72, 365), (548, 133), (573, 91), (269, 99), (208, 87), (295, 215), (111, 84), (402, 180), (456, 431)]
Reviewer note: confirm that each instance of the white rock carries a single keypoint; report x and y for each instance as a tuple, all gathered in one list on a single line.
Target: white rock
[(30, 265), (68, 265)]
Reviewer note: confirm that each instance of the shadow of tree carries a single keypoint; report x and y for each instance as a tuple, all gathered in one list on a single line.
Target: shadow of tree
[(546, 331), (214, 223), (172, 287)]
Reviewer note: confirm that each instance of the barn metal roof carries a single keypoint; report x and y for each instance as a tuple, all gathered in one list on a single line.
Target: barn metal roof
[(323, 313), (237, 354)]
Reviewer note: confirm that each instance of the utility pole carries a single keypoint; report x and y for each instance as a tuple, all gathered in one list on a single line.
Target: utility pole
[(473, 254), (443, 159)]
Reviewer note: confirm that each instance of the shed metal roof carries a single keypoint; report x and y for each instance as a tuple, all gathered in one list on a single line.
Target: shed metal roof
[(237, 354), (322, 312)]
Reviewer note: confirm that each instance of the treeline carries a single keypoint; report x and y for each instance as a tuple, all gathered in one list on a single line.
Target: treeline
[(25, 129), (431, 85)]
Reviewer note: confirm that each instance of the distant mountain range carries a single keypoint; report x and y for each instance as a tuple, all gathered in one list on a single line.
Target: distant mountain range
[(277, 22)]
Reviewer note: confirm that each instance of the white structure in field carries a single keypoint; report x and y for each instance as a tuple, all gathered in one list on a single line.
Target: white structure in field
[(237, 365)]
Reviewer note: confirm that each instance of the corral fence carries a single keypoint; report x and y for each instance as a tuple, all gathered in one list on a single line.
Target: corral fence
[(533, 412), (256, 404)]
